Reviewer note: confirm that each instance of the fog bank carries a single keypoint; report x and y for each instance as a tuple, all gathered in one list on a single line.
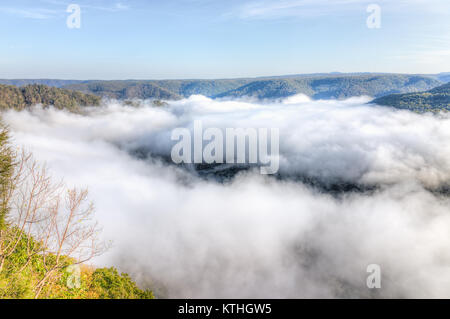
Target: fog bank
[(257, 236)]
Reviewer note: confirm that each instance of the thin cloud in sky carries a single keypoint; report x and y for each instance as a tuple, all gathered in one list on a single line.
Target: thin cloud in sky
[(50, 13), (270, 9), (224, 38), (121, 6), (114, 8), (424, 57), (36, 13), (291, 8), (430, 49)]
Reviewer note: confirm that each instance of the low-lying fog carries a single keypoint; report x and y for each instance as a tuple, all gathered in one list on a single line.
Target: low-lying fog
[(260, 236)]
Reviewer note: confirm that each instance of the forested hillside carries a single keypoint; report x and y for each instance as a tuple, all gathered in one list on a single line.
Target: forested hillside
[(434, 100), (164, 89), (125, 90), (335, 87), (318, 86), (331, 86), (19, 98)]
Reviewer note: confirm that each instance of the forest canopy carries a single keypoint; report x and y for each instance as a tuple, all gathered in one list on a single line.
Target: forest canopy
[(19, 98)]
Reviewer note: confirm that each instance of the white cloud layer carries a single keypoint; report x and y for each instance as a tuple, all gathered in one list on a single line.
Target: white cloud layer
[(259, 236)]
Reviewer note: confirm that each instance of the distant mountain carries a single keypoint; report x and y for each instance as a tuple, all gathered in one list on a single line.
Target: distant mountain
[(434, 100), (319, 86), (19, 98), (332, 86), (270, 88), (48, 82), (335, 86), (124, 89), (157, 89), (444, 77)]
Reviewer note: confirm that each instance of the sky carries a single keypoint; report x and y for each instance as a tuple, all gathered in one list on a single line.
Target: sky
[(176, 39)]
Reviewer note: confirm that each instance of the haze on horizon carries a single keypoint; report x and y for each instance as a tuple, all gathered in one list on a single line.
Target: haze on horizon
[(131, 39)]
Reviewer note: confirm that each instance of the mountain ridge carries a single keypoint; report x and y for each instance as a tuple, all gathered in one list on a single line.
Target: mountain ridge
[(433, 100), (318, 86), (335, 86), (19, 98)]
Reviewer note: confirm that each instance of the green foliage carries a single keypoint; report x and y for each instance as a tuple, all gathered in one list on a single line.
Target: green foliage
[(19, 272), (19, 98), (435, 100), (21, 275), (11, 97), (109, 284), (125, 90), (6, 170)]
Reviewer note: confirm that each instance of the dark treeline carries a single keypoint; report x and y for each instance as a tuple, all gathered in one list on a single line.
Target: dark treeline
[(19, 98), (434, 100)]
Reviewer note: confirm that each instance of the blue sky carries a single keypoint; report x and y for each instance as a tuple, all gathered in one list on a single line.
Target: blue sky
[(137, 39)]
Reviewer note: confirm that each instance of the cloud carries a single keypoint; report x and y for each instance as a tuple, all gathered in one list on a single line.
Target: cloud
[(269, 9), (429, 58), (50, 13), (116, 7), (433, 50), (36, 13), (258, 236), (293, 8), (121, 6)]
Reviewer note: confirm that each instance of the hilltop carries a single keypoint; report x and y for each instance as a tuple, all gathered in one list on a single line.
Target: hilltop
[(317, 86), (156, 89), (333, 86), (19, 98)]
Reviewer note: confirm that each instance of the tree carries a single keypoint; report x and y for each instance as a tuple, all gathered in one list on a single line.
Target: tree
[(70, 232), (42, 218), (46, 227), (6, 171)]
